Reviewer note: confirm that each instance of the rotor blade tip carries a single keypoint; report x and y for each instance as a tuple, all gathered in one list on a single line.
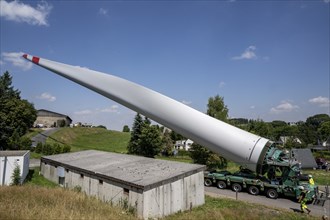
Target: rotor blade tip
[(35, 60), (25, 56)]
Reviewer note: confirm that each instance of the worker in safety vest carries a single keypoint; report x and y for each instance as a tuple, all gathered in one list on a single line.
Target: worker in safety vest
[(310, 180), (303, 200)]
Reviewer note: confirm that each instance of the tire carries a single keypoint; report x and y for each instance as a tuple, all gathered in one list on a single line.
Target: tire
[(221, 184), (253, 190), (236, 187), (208, 182), (272, 194)]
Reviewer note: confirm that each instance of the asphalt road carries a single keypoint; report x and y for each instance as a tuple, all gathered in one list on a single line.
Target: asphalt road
[(41, 137), (282, 203)]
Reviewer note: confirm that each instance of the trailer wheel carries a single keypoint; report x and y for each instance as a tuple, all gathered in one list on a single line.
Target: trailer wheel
[(236, 187), (221, 184), (253, 190), (208, 182), (272, 194)]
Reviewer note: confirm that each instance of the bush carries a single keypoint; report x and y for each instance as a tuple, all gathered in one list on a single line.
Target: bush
[(39, 147), (48, 149), (57, 148), (66, 149), (16, 177)]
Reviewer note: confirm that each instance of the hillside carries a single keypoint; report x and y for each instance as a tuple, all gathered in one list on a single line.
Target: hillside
[(81, 138)]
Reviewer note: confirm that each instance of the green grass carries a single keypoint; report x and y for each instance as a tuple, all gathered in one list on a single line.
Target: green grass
[(324, 154), (34, 179), (184, 159), (80, 138), (36, 202), (33, 132), (39, 202), (321, 177)]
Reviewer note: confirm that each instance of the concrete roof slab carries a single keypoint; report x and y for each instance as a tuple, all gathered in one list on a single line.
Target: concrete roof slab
[(140, 171)]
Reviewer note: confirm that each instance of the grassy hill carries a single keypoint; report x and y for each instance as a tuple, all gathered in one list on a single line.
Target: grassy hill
[(81, 138)]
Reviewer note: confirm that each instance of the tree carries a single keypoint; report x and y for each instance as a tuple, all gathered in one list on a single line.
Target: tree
[(133, 144), (61, 123), (145, 139), (201, 155), (324, 131), (167, 143), (150, 141), (126, 128), (316, 120), (16, 115), (259, 127), (102, 126), (16, 176), (176, 136), (216, 108)]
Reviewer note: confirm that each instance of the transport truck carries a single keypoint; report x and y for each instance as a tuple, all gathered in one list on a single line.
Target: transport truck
[(257, 154), (257, 184)]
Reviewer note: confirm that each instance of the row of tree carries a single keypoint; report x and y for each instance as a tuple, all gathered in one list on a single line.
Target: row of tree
[(314, 131), (16, 116)]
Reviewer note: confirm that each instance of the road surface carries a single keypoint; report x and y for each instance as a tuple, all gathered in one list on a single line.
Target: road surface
[(42, 136), (282, 203)]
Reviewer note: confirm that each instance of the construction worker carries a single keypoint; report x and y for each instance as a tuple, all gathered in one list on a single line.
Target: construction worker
[(303, 200), (310, 180)]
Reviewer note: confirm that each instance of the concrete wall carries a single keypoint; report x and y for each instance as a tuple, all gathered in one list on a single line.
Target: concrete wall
[(182, 194), (8, 164)]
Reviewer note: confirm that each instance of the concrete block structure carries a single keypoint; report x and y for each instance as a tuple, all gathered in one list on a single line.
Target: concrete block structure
[(8, 162), (154, 188)]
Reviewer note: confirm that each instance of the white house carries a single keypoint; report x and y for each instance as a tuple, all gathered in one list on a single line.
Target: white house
[(285, 139), (183, 144), (9, 160)]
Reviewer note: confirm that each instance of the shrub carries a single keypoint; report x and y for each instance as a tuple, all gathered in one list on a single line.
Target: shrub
[(66, 149), (16, 177), (39, 147)]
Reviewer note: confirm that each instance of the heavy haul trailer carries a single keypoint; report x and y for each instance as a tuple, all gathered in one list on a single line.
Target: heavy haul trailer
[(256, 184), (251, 151)]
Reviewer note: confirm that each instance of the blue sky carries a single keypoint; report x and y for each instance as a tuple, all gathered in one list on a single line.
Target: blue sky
[(268, 59)]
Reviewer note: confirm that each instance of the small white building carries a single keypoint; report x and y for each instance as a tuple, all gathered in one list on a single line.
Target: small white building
[(9, 160), (154, 188), (183, 144)]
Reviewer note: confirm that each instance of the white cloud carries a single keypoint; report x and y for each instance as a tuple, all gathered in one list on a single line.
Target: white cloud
[(320, 101), (15, 58), (47, 96), (222, 84), (252, 107), (248, 54), (112, 109), (103, 11), (326, 1), (285, 106), (20, 12), (83, 112)]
